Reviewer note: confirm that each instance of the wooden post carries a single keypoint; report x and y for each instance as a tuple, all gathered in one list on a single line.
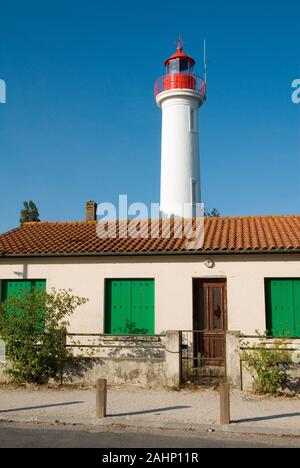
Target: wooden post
[(101, 398), (224, 404)]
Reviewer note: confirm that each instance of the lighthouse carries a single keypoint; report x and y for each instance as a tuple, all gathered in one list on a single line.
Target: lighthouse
[(180, 94)]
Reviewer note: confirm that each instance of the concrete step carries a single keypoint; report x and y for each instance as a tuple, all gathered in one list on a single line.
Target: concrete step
[(209, 371), (206, 377)]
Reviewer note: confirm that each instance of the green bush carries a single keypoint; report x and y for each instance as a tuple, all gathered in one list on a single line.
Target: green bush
[(33, 327), (267, 364)]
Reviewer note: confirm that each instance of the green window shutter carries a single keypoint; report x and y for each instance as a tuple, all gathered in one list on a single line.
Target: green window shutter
[(129, 307), (142, 308), (296, 299), (117, 307), (17, 288), (39, 284), (283, 307), (14, 289)]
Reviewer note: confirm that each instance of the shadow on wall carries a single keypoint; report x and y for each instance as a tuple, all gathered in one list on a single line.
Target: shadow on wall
[(79, 367)]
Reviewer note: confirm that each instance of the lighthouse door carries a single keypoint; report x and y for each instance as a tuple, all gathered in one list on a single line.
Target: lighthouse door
[(210, 321)]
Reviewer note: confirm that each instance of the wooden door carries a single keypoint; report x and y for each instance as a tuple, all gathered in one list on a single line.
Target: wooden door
[(210, 321)]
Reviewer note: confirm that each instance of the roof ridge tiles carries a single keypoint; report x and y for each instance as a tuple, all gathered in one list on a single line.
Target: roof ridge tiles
[(220, 218)]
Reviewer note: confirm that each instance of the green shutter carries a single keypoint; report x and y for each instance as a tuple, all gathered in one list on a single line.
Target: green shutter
[(283, 307), (39, 284), (16, 289), (142, 308), (129, 307), (296, 298), (117, 307)]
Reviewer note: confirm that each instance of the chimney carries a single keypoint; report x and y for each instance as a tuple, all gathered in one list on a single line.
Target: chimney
[(91, 211)]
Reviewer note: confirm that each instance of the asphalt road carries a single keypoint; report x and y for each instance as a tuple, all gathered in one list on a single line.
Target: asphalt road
[(26, 436)]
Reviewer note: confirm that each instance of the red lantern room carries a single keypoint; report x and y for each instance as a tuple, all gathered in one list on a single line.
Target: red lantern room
[(179, 74)]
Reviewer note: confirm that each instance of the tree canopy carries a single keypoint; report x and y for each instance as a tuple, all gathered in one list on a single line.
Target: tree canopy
[(214, 213), (29, 213)]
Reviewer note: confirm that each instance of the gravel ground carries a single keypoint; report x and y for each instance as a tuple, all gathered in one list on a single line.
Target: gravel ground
[(197, 407)]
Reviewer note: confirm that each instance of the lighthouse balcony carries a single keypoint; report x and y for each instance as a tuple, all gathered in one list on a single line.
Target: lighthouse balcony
[(180, 81)]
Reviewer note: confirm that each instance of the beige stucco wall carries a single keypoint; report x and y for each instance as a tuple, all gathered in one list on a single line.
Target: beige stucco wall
[(173, 276)]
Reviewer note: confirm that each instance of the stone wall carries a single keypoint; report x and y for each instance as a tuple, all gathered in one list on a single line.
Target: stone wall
[(144, 361), (239, 376)]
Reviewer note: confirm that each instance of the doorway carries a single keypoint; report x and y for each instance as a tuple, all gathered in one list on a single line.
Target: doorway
[(209, 320)]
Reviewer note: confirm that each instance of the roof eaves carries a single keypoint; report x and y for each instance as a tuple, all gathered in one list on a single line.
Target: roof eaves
[(152, 253)]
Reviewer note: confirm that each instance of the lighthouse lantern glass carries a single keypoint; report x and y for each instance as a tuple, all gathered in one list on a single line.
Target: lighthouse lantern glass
[(179, 66), (173, 67), (185, 66)]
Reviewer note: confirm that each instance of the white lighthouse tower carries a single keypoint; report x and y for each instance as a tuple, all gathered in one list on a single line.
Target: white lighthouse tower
[(180, 94)]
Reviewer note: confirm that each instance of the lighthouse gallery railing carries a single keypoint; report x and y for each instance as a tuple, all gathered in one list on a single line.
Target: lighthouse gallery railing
[(180, 81)]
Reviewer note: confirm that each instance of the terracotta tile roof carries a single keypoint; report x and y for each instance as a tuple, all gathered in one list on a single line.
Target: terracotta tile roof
[(221, 235)]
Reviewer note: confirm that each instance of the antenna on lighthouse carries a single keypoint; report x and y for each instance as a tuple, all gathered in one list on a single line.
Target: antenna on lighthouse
[(205, 63), (179, 42)]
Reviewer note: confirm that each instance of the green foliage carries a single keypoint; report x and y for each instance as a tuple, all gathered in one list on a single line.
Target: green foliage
[(29, 213), (266, 363), (214, 213), (33, 327)]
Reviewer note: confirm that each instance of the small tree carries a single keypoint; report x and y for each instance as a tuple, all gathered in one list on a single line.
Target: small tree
[(33, 327), (29, 213)]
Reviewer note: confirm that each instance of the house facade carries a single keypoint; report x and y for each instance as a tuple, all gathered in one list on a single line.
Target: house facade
[(246, 277)]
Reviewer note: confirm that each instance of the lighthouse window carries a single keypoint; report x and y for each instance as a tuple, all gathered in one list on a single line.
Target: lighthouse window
[(173, 67), (194, 190), (184, 66), (192, 120)]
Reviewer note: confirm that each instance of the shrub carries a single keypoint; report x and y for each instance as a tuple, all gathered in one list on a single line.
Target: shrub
[(266, 363), (33, 327)]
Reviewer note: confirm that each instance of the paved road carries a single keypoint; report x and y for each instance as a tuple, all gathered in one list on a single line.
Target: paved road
[(25, 436)]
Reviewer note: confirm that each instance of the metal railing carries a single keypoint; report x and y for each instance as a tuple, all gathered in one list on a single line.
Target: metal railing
[(199, 349), (180, 81)]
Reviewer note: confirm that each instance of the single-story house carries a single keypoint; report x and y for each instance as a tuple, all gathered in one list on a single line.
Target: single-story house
[(246, 277)]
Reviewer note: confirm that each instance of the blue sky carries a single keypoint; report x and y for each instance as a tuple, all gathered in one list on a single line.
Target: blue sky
[(81, 122)]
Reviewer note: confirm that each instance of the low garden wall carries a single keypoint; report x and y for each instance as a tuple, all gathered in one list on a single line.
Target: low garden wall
[(145, 361), (237, 370)]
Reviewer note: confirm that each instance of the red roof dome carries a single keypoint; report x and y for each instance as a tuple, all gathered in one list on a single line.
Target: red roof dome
[(180, 54)]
